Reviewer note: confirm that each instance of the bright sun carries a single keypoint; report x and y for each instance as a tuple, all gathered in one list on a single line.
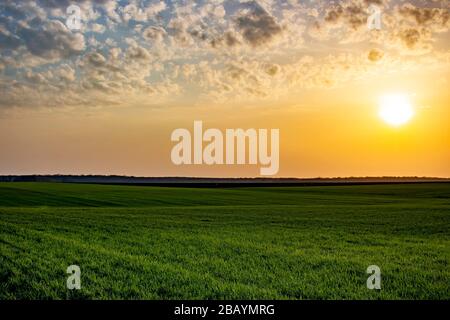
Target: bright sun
[(396, 109)]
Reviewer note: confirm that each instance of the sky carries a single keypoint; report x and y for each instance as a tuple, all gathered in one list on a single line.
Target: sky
[(105, 99)]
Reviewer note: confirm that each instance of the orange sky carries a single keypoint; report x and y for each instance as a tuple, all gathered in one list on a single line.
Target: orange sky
[(337, 133), (109, 107)]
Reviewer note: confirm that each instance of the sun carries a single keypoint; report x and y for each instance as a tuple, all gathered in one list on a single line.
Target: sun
[(396, 109)]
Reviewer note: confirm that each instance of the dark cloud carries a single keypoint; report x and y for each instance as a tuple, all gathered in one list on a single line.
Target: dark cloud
[(271, 69), (229, 39), (52, 41), (410, 37), (9, 41), (199, 34), (62, 4), (333, 15), (375, 55), (96, 59), (154, 33), (156, 53), (178, 30), (10, 9), (56, 3), (419, 26), (257, 26), (353, 16), (379, 3), (138, 53), (424, 16)]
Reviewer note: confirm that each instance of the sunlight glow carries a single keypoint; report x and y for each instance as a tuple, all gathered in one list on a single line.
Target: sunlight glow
[(396, 109)]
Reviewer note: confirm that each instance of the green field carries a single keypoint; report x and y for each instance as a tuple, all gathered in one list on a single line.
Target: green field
[(245, 243)]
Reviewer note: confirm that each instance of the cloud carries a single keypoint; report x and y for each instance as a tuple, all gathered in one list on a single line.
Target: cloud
[(96, 59), (414, 30), (52, 41), (133, 11), (375, 55), (436, 18), (8, 41), (272, 69), (256, 25), (221, 50), (155, 34), (98, 28), (178, 30), (344, 20), (138, 53), (65, 73), (410, 37)]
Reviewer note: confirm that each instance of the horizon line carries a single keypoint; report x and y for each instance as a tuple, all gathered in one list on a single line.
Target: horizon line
[(222, 178)]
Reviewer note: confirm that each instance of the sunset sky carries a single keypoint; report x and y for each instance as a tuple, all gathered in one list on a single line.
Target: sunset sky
[(105, 99)]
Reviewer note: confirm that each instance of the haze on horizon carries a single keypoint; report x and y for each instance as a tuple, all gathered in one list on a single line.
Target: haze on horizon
[(105, 99)]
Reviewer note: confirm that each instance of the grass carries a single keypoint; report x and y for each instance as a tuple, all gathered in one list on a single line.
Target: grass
[(246, 243)]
